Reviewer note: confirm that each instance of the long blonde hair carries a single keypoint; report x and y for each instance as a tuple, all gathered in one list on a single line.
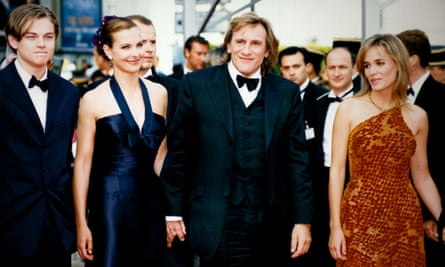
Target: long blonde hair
[(397, 51)]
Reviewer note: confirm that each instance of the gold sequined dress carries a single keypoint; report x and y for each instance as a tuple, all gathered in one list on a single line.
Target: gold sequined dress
[(380, 210)]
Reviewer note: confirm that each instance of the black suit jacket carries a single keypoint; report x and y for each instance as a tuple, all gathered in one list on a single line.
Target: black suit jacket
[(35, 164), (357, 82), (172, 86), (319, 173), (311, 94), (431, 98), (178, 72), (201, 150)]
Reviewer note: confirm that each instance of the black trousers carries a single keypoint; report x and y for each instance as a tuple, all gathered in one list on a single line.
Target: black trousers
[(241, 240), (51, 251), (434, 252)]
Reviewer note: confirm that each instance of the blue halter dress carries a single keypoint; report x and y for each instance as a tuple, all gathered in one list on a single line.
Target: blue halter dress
[(125, 198)]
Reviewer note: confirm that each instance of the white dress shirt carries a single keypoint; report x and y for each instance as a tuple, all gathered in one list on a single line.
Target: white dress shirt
[(417, 86), (329, 123), (247, 96), (38, 97)]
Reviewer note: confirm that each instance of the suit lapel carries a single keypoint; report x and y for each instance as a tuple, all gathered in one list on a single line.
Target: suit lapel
[(55, 94), (15, 90), (272, 100), (220, 96)]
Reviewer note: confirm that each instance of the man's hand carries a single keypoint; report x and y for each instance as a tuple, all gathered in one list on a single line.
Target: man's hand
[(430, 228), (175, 229), (301, 240)]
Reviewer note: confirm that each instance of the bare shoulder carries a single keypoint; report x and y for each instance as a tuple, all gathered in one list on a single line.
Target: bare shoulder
[(414, 116), (412, 111), (155, 88), (158, 96), (356, 109), (96, 95), (100, 101), (353, 106), (352, 103)]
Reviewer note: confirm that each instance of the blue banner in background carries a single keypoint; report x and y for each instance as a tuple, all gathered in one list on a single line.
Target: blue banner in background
[(79, 21)]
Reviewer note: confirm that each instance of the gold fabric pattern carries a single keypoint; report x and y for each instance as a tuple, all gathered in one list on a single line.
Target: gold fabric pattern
[(380, 210)]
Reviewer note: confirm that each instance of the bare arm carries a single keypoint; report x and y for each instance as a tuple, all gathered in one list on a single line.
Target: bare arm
[(82, 165), (341, 129), (160, 103), (421, 176)]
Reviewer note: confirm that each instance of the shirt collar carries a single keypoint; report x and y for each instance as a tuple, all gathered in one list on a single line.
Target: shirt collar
[(304, 85), (233, 72), (25, 76), (186, 70), (148, 73), (345, 94), (418, 84)]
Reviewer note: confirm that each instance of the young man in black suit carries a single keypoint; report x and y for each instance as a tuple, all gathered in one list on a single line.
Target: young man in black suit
[(239, 172), (293, 66), (148, 71), (180, 255), (39, 115), (195, 52), (428, 94), (339, 69)]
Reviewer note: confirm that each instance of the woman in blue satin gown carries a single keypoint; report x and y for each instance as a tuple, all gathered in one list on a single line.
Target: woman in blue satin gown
[(119, 199)]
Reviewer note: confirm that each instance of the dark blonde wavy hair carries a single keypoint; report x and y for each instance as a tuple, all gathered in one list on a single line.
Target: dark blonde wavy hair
[(396, 50), (20, 19), (272, 43)]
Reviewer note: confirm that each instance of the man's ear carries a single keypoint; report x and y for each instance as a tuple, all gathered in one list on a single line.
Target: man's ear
[(12, 41)]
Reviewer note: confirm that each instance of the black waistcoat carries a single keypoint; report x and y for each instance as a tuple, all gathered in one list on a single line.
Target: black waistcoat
[(249, 149)]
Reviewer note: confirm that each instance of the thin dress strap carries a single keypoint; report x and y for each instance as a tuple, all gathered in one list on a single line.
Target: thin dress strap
[(120, 99)]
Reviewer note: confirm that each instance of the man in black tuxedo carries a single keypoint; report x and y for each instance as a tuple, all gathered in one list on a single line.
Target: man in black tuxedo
[(239, 160), (353, 45), (428, 94), (148, 71), (339, 69), (293, 66), (39, 115), (180, 255), (195, 52)]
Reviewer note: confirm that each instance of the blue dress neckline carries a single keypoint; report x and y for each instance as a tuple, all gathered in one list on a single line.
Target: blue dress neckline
[(122, 103)]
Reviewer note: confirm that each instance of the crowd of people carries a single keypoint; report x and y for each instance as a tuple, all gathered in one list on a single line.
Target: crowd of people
[(225, 162)]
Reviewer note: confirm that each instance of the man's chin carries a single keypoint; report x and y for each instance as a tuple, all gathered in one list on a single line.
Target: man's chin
[(146, 66)]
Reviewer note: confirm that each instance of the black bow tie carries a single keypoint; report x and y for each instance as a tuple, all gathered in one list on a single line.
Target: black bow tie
[(410, 91), (335, 99), (44, 85), (250, 82)]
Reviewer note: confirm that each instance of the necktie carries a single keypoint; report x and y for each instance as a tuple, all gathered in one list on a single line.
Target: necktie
[(44, 85), (250, 82), (410, 91), (335, 99)]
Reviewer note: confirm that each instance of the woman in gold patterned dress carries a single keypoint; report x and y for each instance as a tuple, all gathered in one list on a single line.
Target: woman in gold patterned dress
[(377, 220)]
